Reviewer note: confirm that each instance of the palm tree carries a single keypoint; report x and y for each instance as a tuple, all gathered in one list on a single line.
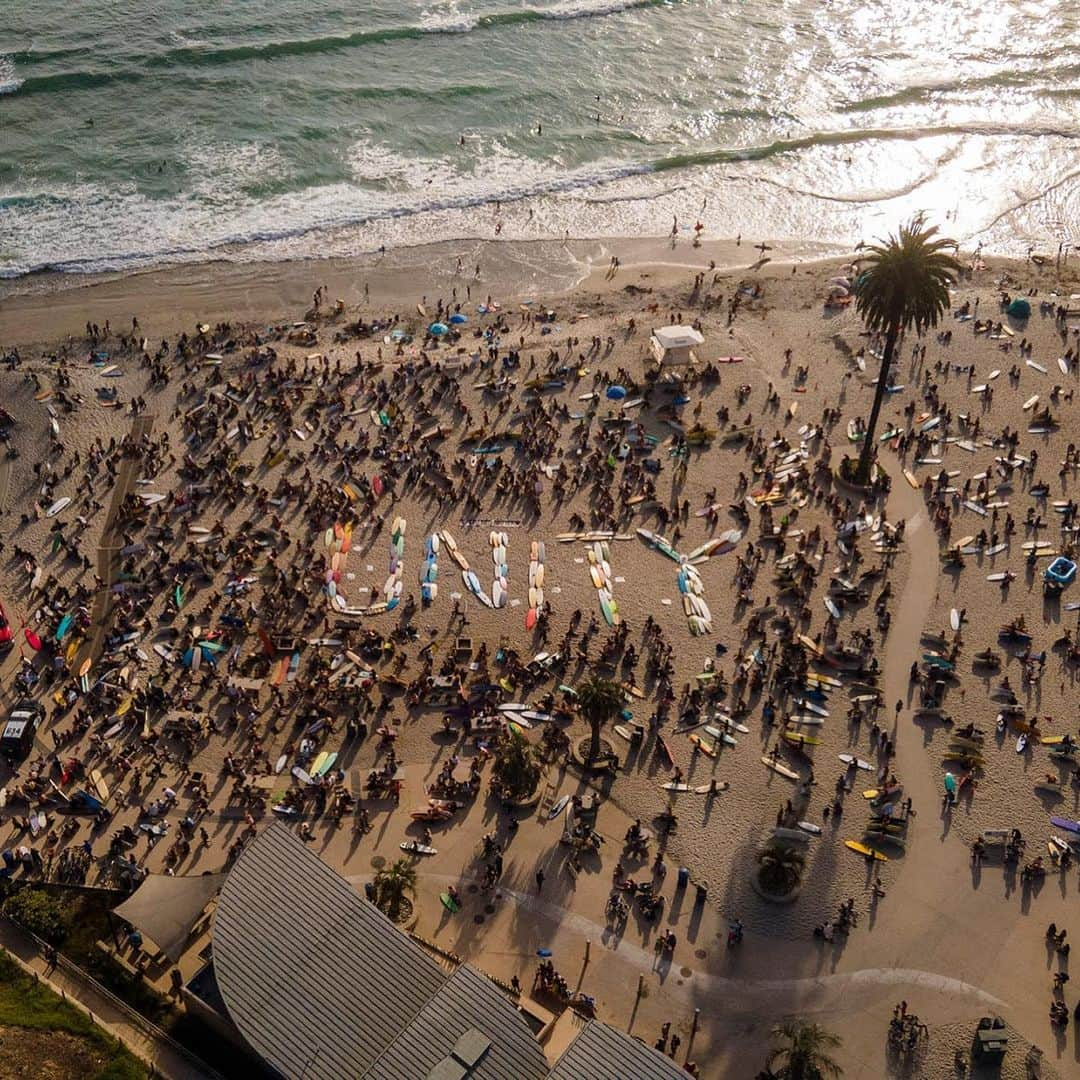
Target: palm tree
[(391, 885), (515, 769), (905, 286), (802, 1049), (599, 700), (781, 867)]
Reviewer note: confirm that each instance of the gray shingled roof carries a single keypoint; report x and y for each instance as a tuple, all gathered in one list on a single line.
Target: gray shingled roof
[(603, 1053), (324, 987), (468, 999), (317, 980)]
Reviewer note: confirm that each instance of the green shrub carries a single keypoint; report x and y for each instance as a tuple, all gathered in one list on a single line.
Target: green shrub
[(38, 912)]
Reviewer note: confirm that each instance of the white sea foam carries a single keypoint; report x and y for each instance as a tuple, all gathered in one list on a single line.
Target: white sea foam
[(241, 201), (584, 9), (447, 19), (9, 82)]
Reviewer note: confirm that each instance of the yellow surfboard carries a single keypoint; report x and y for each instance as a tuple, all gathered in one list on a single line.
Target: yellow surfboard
[(866, 852)]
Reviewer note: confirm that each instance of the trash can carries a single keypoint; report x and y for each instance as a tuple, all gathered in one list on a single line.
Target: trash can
[(702, 891), (684, 877)]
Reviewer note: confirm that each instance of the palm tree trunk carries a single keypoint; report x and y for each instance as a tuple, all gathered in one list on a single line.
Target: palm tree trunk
[(594, 741), (866, 455)]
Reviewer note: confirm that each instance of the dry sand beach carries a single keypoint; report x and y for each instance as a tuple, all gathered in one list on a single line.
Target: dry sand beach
[(280, 430)]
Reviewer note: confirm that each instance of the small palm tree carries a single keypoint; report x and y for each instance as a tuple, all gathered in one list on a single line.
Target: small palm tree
[(599, 700), (515, 768), (905, 286), (802, 1049), (392, 883), (781, 867)]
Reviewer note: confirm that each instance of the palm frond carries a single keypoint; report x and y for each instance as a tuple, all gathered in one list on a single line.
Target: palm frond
[(802, 1048), (907, 280)]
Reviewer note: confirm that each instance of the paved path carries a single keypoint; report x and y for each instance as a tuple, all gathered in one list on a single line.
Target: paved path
[(5, 481), (156, 1053), (108, 549), (918, 946), (775, 990)]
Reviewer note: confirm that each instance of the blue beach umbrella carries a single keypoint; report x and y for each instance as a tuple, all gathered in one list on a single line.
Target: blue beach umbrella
[(438, 329), (1020, 308), (616, 393), (457, 319)]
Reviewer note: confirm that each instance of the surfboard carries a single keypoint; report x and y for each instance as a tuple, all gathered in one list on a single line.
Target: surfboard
[(558, 808), (703, 746), (850, 759), (866, 852), (414, 847), (703, 789), (57, 506), (726, 722), (796, 738), (100, 787), (954, 619), (780, 767)]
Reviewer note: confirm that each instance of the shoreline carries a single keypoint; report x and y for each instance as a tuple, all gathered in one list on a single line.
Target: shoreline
[(171, 298)]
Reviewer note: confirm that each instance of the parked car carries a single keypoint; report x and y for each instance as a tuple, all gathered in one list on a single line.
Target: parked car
[(17, 736)]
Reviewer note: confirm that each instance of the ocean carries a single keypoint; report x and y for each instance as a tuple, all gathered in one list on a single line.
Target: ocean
[(136, 133)]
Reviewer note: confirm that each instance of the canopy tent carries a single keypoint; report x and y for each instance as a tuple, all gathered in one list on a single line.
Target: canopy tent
[(166, 909), (1020, 308), (673, 344)]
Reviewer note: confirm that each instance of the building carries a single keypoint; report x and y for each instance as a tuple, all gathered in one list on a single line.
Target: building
[(321, 986), (673, 345)]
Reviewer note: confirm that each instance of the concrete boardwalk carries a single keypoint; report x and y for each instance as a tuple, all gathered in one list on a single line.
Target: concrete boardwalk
[(162, 1058)]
